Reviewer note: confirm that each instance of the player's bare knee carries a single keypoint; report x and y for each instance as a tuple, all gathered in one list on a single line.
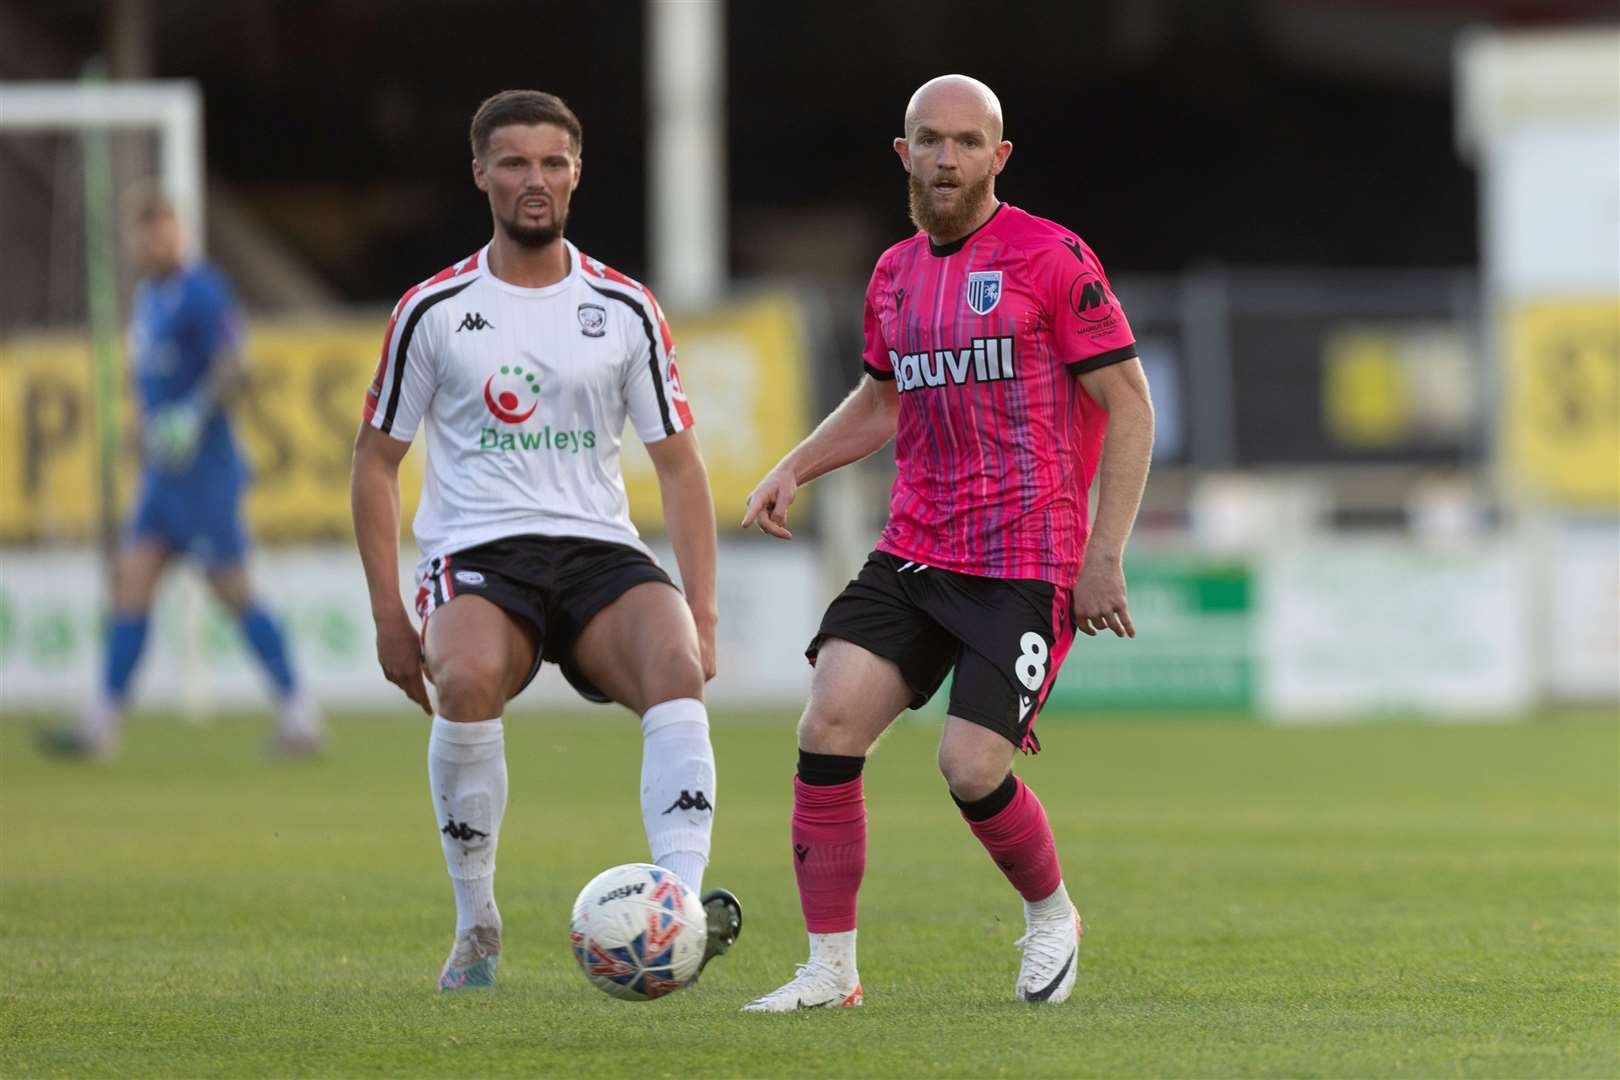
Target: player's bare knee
[(471, 685), (674, 670), (232, 589), (130, 596), (135, 579), (970, 776), (829, 731)]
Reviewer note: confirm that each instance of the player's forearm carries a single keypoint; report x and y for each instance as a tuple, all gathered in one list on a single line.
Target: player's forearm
[(227, 376), (1127, 451), (861, 424), (689, 519), (374, 502)]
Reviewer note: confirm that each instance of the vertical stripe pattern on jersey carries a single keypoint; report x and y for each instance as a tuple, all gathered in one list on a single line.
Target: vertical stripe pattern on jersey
[(993, 458), (652, 353)]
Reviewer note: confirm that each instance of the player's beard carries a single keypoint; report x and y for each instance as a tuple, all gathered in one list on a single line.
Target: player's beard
[(953, 223), (535, 236)]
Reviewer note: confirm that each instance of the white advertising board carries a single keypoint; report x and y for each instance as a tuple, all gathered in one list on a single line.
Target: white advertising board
[(50, 611), (1358, 627), (1583, 651)]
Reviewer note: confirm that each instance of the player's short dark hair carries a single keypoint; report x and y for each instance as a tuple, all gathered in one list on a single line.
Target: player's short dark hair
[(523, 107)]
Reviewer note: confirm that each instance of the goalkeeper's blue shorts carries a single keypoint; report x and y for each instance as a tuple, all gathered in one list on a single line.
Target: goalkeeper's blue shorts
[(203, 521)]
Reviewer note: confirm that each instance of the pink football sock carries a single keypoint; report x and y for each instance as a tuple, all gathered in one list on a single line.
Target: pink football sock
[(1020, 841), (829, 852)]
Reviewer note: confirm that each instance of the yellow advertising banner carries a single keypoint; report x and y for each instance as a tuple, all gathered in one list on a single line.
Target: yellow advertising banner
[(1561, 406), (742, 366), (745, 374)]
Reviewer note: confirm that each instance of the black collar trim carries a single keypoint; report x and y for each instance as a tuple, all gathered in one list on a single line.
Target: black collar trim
[(939, 251)]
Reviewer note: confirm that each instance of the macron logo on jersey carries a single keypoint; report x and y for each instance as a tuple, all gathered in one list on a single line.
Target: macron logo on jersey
[(987, 359)]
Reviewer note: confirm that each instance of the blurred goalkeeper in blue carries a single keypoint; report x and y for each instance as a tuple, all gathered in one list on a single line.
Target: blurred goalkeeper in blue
[(186, 363)]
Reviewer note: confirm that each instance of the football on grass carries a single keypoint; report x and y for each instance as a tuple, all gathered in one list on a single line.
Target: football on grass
[(638, 932)]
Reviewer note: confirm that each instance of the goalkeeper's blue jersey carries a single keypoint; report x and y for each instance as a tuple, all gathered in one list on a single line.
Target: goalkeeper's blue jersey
[(179, 324)]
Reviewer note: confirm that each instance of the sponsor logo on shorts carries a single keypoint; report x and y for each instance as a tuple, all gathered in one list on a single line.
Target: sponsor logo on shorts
[(469, 577), (983, 360)]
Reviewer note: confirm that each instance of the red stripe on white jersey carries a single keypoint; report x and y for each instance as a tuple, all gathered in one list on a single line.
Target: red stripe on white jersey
[(380, 378)]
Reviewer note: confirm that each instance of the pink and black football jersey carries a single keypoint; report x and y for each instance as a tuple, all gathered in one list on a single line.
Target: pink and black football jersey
[(997, 442)]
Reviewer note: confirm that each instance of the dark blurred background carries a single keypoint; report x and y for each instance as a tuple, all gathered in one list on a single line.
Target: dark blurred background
[(1152, 127)]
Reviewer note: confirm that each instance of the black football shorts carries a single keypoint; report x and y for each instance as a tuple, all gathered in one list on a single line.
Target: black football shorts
[(557, 584), (1005, 638)]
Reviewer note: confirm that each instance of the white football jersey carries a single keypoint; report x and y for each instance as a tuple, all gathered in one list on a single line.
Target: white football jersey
[(524, 394)]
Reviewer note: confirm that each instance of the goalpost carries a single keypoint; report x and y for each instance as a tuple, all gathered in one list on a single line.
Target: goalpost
[(172, 112), (171, 108), (74, 123)]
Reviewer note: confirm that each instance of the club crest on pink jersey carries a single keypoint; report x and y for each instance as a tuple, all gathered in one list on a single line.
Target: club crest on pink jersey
[(983, 291)]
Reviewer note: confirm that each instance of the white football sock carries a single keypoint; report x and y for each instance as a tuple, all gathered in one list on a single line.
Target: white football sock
[(1054, 908), (837, 951), (467, 772), (101, 719), (677, 787)]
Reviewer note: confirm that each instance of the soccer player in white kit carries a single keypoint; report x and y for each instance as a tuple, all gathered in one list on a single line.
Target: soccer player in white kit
[(521, 363)]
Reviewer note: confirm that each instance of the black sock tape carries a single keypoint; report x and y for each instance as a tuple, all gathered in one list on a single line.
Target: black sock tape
[(825, 770), (992, 804)]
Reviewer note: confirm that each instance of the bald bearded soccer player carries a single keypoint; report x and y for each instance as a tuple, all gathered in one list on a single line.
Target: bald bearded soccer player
[(1000, 362)]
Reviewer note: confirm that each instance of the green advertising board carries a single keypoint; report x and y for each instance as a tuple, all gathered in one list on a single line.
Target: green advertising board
[(1194, 644)]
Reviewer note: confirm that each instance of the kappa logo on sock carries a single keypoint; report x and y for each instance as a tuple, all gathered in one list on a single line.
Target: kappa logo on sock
[(1007, 866), (461, 831), (801, 850), (688, 801)]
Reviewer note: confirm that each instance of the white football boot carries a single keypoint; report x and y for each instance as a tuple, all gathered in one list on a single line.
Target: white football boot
[(1051, 955), (94, 738), (298, 729), (815, 985)]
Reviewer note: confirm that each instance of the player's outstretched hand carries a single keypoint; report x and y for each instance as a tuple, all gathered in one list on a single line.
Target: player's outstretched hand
[(1099, 598), (769, 502), (399, 651)]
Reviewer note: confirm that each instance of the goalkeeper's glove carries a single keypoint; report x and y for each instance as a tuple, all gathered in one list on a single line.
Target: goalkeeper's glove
[(173, 434)]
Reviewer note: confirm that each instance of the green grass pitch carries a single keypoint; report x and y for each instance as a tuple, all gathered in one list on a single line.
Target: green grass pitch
[(1390, 899)]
